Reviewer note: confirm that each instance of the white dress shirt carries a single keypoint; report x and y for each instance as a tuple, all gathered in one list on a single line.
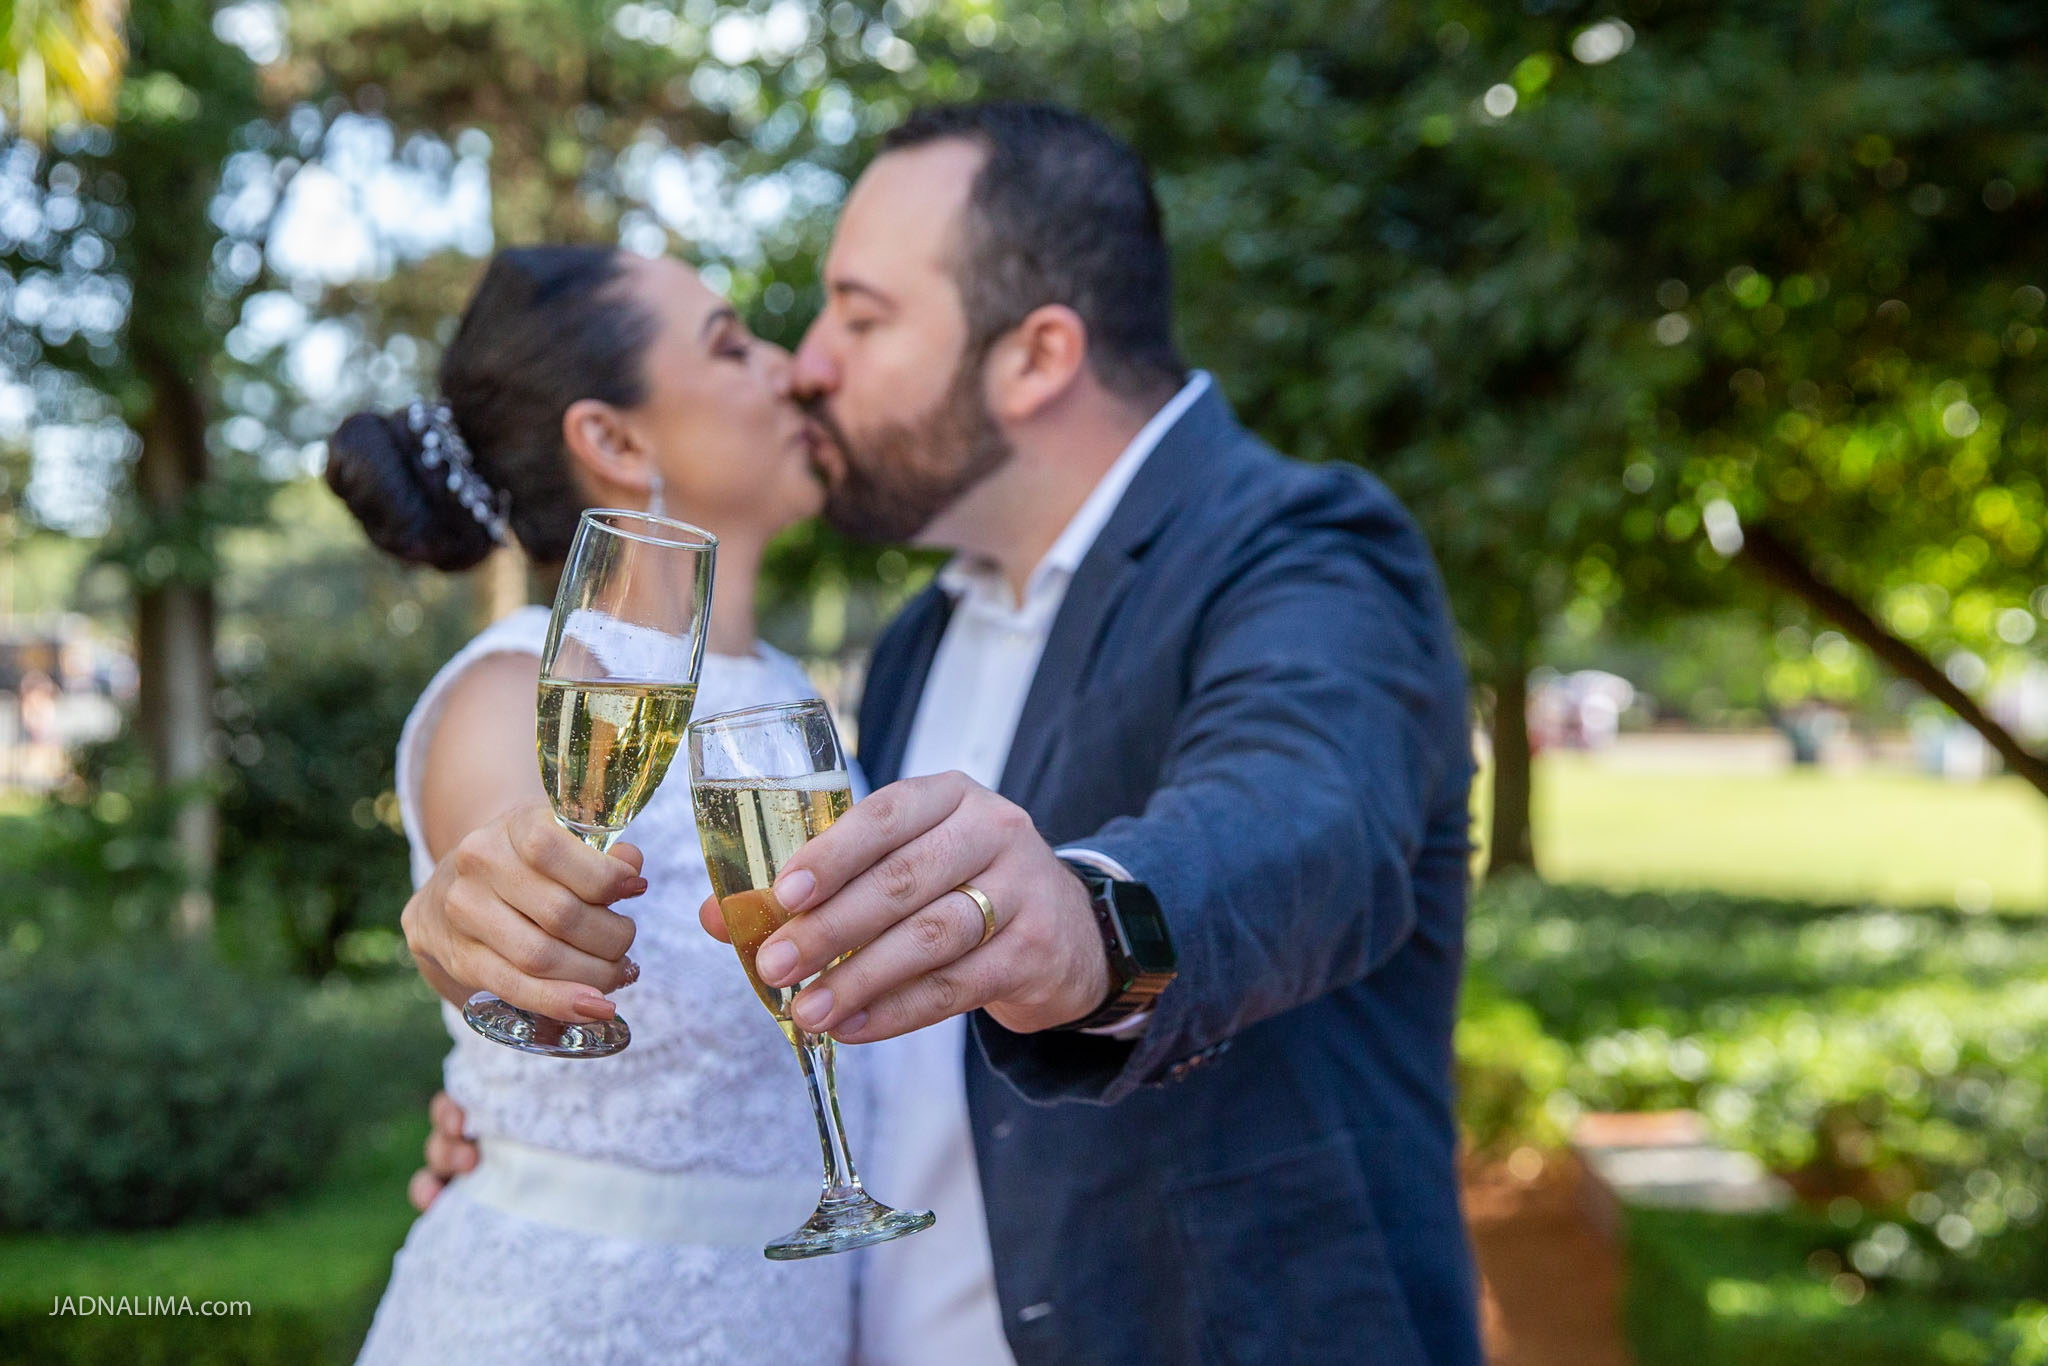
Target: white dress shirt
[(930, 1299)]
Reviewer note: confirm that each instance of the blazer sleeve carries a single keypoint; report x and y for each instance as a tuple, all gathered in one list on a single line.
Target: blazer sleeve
[(1324, 722)]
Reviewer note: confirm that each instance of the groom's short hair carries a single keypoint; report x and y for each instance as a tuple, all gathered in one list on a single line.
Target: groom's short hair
[(1061, 212)]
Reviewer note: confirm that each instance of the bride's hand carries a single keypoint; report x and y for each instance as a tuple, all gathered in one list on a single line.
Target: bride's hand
[(521, 908)]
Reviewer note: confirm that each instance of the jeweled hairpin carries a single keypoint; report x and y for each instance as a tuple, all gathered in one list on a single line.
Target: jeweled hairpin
[(442, 446)]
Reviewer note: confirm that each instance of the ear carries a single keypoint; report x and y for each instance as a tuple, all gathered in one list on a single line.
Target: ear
[(602, 445), (1036, 362)]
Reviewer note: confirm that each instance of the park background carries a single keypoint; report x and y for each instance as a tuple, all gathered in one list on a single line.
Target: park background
[(1700, 336)]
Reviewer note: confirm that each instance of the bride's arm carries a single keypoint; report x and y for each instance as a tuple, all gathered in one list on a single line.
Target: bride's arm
[(516, 905)]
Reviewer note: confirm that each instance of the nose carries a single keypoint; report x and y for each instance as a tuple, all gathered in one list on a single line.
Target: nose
[(813, 372)]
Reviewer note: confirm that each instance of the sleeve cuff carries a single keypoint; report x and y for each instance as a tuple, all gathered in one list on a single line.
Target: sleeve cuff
[(1083, 854), (1123, 1029), (1135, 1025)]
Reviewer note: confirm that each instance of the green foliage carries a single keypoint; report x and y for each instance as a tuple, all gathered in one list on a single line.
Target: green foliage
[(188, 99), (313, 862), (60, 60), (1887, 1062), (116, 233), (328, 649), (1565, 284), (172, 1088), (311, 1272), (84, 869), (311, 843), (1509, 1073)]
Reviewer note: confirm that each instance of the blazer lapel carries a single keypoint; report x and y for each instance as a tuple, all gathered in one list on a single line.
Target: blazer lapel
[(1102, 580)]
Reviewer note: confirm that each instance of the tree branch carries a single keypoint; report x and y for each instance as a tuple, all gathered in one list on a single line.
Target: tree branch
[(1778, 561)]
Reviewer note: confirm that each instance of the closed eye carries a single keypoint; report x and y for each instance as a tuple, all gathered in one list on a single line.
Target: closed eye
[(732, 343)]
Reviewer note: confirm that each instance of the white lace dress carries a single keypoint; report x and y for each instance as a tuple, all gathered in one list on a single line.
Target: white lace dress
[(708, 1086)]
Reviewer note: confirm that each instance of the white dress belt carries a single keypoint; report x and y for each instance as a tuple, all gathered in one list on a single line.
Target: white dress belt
[(613, 1200)]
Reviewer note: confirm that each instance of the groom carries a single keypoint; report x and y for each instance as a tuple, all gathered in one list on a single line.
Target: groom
[(1171, 767)]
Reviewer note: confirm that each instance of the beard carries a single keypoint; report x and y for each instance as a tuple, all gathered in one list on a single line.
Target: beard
[(896, 477)]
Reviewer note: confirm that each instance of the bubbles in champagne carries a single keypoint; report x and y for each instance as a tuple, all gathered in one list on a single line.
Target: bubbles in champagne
[(750, 828), (605, 747)]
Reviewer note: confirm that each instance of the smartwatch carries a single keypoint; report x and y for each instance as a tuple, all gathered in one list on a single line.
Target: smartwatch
[(1136, 940)]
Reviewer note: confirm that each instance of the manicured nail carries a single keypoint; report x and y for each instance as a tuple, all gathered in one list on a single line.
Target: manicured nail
[(852, 1024), (634, 887), (632, 972), (776, 962), (794, 889), (592, 1006), (812, 1008)]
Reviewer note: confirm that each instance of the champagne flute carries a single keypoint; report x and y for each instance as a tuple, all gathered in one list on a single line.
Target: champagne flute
[(765, 780), (618, 677)]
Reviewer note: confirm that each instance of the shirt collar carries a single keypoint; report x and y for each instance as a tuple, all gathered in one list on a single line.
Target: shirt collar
[(963, 574)]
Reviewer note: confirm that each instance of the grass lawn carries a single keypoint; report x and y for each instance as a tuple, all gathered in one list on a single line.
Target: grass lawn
[(1893, 837), (1722, 1290), (311, 1271)]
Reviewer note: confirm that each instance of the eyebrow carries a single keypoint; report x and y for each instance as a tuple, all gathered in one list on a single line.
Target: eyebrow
[(718, 315), (856, 287)]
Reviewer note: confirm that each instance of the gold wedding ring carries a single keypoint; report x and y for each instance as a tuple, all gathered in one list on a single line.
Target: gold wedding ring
[(988, 910)]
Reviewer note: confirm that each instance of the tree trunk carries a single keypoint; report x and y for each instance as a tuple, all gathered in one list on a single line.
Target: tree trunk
[(1512, 843), (174, 627), (1781, 563)]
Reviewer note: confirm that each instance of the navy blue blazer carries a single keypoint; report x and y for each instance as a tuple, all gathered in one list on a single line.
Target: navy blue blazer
[(1252, 698)]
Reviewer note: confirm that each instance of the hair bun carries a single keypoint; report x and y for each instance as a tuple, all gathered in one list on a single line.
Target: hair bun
[(373, 464)]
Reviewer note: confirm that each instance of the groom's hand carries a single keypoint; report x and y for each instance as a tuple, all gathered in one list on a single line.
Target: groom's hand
[(882, 880), (449, 1152)]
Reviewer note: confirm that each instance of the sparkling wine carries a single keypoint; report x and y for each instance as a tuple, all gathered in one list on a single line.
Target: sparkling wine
[(750, 827), (605, 747)]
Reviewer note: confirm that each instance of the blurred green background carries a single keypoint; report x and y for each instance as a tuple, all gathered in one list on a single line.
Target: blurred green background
[(1701, 337)]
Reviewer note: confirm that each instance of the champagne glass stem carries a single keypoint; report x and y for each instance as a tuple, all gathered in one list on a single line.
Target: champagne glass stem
[(814, 1052)]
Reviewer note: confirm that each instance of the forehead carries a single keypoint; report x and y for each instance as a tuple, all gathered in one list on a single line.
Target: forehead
[(902, 219), (671, 290)]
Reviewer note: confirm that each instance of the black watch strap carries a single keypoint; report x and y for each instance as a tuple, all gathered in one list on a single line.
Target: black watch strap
[(1135, 981)]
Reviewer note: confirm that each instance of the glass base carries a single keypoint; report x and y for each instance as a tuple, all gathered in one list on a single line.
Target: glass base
[(502, 1022), (845, 1223)]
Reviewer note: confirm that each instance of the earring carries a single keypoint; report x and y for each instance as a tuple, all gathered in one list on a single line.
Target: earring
[(655, 506)]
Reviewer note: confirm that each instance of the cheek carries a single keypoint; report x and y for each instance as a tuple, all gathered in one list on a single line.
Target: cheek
[(903, 374), (734, 418)]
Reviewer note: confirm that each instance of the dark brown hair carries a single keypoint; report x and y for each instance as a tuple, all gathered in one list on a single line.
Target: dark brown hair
[(1062, 212)]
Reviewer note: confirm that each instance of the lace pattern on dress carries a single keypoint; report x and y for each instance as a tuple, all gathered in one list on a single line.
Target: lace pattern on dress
[(708, 1085)]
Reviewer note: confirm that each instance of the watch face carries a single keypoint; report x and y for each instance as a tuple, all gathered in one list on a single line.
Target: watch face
[(1145, 935)]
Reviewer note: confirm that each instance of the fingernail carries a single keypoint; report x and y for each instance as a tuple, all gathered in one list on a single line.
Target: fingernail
[(594, 1007), (812, 1008), (634, 887), (852, 1024), (776, 962), (632, 972), (793, 889)]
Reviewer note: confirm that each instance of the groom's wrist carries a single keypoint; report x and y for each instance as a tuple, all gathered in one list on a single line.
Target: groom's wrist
[(1134, 1025), (1137, 947)]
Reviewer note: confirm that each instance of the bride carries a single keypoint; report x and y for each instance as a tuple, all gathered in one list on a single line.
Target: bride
[(619, 1207)]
